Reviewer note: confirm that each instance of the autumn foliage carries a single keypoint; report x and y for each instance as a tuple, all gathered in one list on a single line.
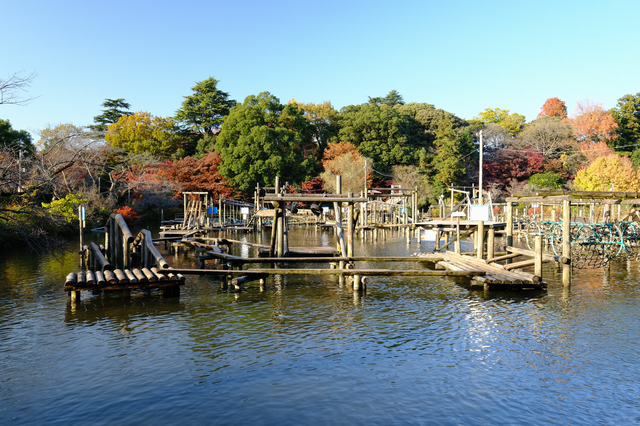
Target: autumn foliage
[(193, 174), (553, 107), (128, 214), (612, 172), (509, 165), (593, 124)]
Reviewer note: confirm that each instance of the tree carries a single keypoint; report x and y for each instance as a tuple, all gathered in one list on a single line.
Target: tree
[(507, 167), (413, 177), (423, 121), (495, 137), (261, 139), (613, 172), (627, 116), (452, 148), (11, 87), (392, 98), (19, 140), (593, 124), (194, 174), (204, 111), (511, 122), (553, 107), (379, 132), (345, 160), (547, 135), (325, 121), (114, 109), (141, 132)]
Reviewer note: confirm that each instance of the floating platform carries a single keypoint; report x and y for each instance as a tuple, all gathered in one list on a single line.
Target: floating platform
[(482, 273), (119, 279)]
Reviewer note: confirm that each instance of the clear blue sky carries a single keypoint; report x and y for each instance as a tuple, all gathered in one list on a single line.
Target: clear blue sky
[(462, 56)]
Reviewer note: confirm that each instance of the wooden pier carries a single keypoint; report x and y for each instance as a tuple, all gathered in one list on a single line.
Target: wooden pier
[(484, 274)]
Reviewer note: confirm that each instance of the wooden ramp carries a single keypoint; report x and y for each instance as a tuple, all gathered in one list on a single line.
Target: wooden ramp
[(489, 275)]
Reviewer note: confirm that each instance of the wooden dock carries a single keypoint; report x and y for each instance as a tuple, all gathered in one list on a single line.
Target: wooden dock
[(488, 275)]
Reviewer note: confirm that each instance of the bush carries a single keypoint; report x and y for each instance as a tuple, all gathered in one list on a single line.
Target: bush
[(546, 181)]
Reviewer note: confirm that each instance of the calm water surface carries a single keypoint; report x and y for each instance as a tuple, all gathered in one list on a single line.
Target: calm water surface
[(306, 350)]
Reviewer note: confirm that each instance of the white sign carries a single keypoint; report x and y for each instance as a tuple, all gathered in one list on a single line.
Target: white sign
[(244, 210), (479, 213)]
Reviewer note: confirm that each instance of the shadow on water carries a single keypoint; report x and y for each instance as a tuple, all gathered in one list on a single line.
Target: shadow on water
[(122, 307)]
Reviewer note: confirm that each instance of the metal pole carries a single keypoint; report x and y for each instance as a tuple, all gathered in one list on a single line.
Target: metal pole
[(480, 171)]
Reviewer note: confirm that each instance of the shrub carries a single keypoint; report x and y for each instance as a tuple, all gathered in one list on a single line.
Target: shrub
[(546, 180)]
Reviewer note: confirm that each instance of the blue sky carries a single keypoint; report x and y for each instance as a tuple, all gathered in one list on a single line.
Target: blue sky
[(461, 56)]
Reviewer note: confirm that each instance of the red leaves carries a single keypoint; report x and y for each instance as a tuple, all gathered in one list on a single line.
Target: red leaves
[(510, 165)]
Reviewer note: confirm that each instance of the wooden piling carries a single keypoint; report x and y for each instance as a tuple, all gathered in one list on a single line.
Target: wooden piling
[(566, 242), (480, 240), (538, 258)]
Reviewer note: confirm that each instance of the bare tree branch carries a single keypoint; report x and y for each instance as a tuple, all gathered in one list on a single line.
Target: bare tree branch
[(11, 88)]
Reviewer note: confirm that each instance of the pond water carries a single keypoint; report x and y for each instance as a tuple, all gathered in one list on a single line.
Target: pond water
[(306, 350)]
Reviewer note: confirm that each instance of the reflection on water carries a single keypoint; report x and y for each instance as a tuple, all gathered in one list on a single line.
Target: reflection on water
[(309, 350)]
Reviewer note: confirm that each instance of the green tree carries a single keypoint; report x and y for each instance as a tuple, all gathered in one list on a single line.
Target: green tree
[(627, 115), (19, 140), (261, 139), (205, 109), (324, 120), (114, 109), (65, 207), (392, 98), (512, 122), (453, 148), (424, 119), (380, 132), (143, 133)]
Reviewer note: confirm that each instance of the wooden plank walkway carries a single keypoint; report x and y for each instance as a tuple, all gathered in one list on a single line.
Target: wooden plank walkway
[(491, 275)]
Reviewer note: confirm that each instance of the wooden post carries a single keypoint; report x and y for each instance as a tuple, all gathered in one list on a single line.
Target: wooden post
[(338, 213), (220, 224), (538, 258), (566, 242), (509, 226), (491, 234), (357, 283), (480, 239)]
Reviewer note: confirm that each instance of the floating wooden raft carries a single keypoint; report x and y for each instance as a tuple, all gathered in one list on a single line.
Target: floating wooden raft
[(493, 275), (120, 279)]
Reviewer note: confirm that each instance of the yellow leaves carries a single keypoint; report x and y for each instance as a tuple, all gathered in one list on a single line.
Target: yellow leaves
[(142, 132), (612, 172), (511, 122)]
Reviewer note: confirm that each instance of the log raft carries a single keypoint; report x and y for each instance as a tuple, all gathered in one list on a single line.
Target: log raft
[(122, 279)]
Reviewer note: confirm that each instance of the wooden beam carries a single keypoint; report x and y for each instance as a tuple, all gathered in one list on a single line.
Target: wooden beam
[(367, 272)]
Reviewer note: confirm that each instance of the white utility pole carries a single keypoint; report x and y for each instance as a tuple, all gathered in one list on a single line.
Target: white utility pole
[(480, 173)]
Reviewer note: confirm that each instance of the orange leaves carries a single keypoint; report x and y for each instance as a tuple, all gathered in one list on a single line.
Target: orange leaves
[(128, 214), (593, 124), (593, 150), (335, 150), (553, 107)]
